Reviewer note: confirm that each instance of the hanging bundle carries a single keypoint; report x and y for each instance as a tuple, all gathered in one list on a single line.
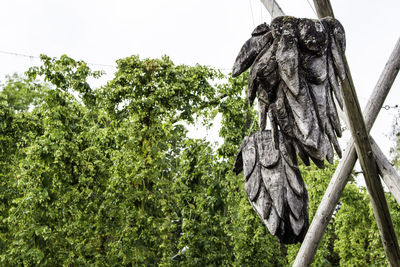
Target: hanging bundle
[(296, 68), (274, 185)]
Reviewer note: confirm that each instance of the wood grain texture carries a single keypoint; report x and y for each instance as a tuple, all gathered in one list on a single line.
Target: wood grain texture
[(388, 173), (346, 165), (274, 185), (364, 151), (340, 177), (370, 171)]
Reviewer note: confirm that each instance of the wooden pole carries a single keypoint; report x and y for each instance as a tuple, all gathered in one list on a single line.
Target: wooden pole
[(346, 165), (273, 8), (339, 179), (386, 170), (382, 87), (368, 164), (324, 9)]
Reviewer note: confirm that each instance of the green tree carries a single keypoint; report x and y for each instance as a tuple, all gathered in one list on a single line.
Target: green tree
[(109, 176), (16, 97), (20, 93), (149, 100), (94, 181)]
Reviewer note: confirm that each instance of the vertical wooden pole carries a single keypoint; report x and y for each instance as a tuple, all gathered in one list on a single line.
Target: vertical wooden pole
[(387, 172), (273, 8), (324, 9), (343, 170), (368, 164)]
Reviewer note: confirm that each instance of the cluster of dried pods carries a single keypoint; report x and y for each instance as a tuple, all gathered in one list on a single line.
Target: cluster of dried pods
[(296, 68)]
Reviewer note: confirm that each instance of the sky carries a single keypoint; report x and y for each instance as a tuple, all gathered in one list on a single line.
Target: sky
[(208, 32)]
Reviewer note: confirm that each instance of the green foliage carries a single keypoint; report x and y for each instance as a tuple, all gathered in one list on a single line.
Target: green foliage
[(16, 96), (19, 93), (317, 181), (201, 211), (357, 225), (251, 244), (359, 243), (109, 177), (92, 184)]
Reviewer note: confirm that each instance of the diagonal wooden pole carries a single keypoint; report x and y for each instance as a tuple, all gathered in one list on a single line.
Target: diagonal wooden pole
[(346, 165), (273, 8), (386, 170), (368, 164), (344, 169)]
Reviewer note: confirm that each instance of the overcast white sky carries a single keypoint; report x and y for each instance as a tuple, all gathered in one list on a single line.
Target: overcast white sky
[(209, 32)]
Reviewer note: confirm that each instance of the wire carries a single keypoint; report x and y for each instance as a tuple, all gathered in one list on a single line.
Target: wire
[(312, 8), (17, 54), (315, 12), (31, 57), (92, 64)]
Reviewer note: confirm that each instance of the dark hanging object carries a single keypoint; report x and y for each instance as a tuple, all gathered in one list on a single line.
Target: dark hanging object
[(274, 185), (296, 68)]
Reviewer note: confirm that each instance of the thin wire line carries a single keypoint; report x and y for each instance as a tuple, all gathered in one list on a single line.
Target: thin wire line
[(31, 57), (92, 64), (312, 8), (17, 54), (252, 15), (315, 12), (102, 65)]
